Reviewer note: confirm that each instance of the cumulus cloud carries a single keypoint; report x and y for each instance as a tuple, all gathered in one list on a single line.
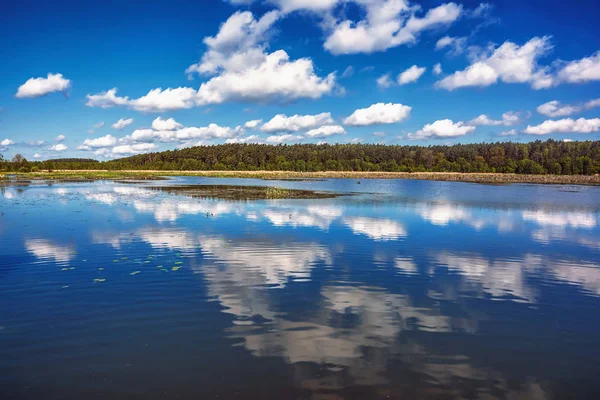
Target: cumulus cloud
[(566, 125), (37, 87), (442, 129), (385, 81), (437, 69), (512, 132), (170, 124), (240, 40), (253, 124), (133, 148), (296, 123), (455, 44), (58, 147), (555, 109), (186, 134), (508, 119), (412, 74), (104, 141), (379, 113), (326, 131), (99, 125), (60, 138), (580, 71), (388, 23), (509, 63), (278, 139), (7, 142), (247, 139), (122, 123)]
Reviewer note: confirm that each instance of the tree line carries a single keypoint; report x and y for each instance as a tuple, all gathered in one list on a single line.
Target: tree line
[(539, 157)]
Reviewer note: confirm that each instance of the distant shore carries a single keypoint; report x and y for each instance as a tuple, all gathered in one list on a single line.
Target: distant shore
[(491, 178)]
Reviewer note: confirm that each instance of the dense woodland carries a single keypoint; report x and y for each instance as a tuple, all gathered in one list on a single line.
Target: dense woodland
[(549, 157)]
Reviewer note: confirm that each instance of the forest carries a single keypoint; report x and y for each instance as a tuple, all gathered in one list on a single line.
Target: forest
[(539, 157)]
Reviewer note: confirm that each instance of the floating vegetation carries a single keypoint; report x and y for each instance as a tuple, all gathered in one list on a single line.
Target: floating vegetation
[(159, 266), (232, 192), (175, 268), (135, 272), (100, 269), (65, 269), (65, 287), (124, 258), (146, 262), (178, 262), (115, 261), (99, 280)]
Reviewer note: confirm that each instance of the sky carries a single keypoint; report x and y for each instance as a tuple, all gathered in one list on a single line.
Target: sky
[(112, 79)]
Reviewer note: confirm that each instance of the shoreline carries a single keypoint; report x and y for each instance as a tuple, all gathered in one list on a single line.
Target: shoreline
[(489, 178)]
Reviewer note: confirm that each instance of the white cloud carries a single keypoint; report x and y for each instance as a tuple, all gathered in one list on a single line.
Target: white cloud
[(239, 42), (379, 113), (247, 139), (122, 123), (99, 125), (284, 138), (58, 147), (580, 71), (7, 142), (456, 44), (437, 69), (104, 141), (512, 132), (295, 80), (412, 74), (385, 81), (37, 155), (170, 124), (133, 148), (555, 109), (566, 125), (296, 123), (60, 138), (253, 124), (36, 87), (444, 128), (348, 72), (388, 23), (508, 63), (326, 131), (183, 135), (508, 119)]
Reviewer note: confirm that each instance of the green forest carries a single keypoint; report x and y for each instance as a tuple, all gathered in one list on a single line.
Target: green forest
[(539, 157)]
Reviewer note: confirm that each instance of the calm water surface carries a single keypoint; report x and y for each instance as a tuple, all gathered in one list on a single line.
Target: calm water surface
[(409, 289)]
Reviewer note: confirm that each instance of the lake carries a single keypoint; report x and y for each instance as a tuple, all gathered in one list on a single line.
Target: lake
[(404, 289)]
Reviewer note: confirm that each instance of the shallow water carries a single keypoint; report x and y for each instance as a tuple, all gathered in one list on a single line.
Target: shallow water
[(409, 289)]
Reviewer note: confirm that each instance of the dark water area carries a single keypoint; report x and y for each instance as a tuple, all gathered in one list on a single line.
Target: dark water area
[(404, 290)]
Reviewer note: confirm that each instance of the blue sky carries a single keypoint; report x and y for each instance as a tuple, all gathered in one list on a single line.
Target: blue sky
[(287, 71)]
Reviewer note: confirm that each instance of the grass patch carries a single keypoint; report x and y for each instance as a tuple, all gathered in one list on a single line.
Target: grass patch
[(231, 192)]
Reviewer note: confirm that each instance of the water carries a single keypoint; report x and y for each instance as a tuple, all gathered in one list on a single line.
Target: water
[(408, 289)]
